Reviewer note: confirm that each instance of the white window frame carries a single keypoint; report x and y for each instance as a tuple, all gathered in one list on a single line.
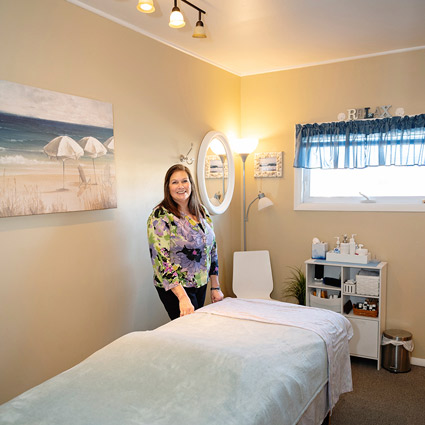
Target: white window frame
[(303, 203)]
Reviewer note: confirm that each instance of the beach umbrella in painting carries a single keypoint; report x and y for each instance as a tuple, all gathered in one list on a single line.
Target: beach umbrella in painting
[(63, 148), (93, 149), (110, 144)]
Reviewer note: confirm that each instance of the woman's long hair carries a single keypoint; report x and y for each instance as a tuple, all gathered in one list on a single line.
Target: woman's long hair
[(195, 207)]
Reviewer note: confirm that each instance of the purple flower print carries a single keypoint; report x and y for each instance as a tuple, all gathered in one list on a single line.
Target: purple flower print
[(191, 260)]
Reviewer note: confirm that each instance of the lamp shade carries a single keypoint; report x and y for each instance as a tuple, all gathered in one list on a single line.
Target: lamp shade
[(217, 147), (146, 6), (215, 201), (176, 18), (199, 31), (244, 146), (264, 202)]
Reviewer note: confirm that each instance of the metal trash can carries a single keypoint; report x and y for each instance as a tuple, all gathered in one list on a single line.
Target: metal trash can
[(395, 357)]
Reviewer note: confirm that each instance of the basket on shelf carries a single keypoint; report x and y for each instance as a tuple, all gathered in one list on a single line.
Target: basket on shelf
[(366, 313), (367, 283), (333, 304)]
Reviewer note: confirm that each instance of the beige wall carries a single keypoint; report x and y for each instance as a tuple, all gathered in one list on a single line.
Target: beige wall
[(71, 283), (271, 106)]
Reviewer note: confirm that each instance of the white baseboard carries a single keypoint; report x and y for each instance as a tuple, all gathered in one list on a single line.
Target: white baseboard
[(417, 362)]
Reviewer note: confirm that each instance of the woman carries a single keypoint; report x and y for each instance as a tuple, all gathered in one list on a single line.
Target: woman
[(182, 246)]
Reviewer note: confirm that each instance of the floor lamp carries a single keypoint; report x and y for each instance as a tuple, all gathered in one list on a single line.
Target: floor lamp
[(244, 147)]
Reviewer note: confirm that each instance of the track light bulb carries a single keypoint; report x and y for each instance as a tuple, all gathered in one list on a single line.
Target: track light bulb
[(146, 6), (176, 18), (199, 31)]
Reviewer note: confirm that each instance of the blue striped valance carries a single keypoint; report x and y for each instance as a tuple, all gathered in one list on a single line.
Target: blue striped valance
[(360, 144)]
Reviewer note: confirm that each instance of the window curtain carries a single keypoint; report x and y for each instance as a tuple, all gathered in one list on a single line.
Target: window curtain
[(360, 144)]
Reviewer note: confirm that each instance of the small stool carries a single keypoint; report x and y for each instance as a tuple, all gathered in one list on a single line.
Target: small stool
[(395, 357)]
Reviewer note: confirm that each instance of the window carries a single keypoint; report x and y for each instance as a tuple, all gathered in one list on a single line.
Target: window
[(375, 165)]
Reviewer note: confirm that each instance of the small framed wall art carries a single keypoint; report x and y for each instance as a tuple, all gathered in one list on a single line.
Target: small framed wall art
[(214, 167), (268, 164)]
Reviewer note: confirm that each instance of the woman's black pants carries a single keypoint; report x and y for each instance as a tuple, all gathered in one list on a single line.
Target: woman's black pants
[(171, 302)]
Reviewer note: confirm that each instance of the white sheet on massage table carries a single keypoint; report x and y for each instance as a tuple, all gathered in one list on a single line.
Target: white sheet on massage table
[(200, 369), (333, 328)]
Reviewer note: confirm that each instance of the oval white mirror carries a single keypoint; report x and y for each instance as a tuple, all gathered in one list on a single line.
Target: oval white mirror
[(215, 172)]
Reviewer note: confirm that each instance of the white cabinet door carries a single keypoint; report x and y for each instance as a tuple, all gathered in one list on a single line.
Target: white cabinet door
[(365, 338)]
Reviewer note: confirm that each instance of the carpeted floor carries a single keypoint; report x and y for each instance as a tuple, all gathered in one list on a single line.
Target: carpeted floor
[(382, 397)]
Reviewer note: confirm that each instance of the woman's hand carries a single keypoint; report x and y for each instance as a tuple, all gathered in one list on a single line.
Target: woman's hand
[(216, 295), (186, 307)]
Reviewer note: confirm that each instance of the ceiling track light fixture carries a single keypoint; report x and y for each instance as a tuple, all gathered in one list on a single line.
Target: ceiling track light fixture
[(176, 17)]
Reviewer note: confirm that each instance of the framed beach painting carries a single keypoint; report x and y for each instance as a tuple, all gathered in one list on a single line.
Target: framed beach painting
[(268, 164), (56, 152)]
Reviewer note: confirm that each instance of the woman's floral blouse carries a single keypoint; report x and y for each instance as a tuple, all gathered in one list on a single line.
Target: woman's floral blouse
[(182, 251)]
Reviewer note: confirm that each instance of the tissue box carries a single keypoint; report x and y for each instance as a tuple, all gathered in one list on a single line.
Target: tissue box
[(318, 250)]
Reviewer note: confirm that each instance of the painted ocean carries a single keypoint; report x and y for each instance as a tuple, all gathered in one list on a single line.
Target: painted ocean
[(22, 140)]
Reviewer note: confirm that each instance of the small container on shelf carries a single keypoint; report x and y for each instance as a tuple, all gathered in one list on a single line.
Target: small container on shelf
[(365, 313), (368, 308), (350, 287), (367, 283)]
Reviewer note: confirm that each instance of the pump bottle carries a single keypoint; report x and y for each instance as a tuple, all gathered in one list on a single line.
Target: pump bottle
[(352, 245), (337, 249), (345, 246)]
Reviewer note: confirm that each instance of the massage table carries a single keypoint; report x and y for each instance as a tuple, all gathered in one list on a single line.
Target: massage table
[(236, 362)]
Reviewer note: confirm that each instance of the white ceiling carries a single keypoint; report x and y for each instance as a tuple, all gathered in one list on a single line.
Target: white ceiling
[(250, 37)]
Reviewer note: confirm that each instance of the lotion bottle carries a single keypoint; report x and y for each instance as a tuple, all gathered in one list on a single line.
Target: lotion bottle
[(337, 249), (352, 245), (345, 246)]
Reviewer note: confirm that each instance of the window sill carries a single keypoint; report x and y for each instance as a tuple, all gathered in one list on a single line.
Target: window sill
[(366, 207)]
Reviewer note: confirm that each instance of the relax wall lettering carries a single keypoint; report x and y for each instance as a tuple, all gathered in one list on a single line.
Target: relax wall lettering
[(382, 111), (364, 113)]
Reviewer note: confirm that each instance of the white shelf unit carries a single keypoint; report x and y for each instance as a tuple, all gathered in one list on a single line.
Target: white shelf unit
[(366, 341)]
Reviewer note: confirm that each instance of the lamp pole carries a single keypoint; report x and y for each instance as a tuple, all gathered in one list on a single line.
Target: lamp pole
[(244, 156), (244, 147)]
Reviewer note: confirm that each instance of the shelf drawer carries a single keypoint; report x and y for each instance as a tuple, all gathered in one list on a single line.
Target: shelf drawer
[(365, 338)]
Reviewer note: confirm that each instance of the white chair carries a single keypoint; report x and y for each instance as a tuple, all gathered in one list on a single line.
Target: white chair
[(252, 274), (83, 179)]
